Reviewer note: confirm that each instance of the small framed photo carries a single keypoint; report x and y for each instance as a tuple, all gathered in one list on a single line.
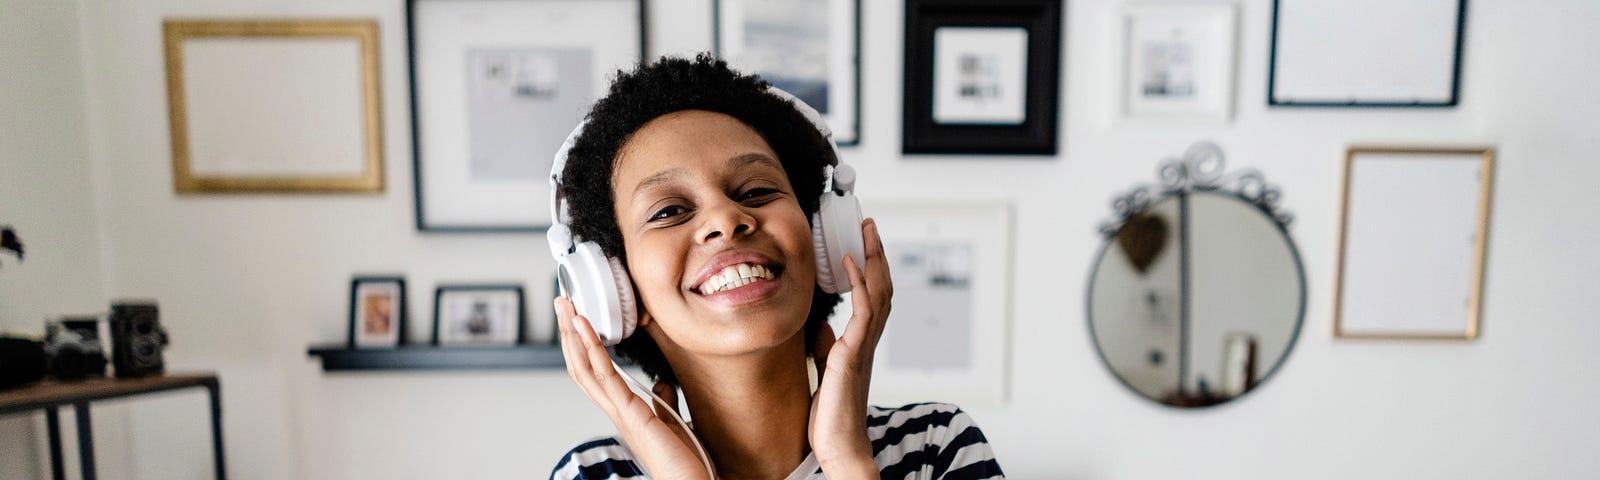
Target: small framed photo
[(496, 86), (1386, 54), (1412, 245), (809, 48), (982, 79), (478, 315), (1179, 62), (377, 312), (274, 106)]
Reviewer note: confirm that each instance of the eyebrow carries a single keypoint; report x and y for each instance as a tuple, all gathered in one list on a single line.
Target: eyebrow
[(737, 161)]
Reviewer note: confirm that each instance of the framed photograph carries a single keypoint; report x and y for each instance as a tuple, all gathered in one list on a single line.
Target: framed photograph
[(1179, 62), (478, 315), (810, 48), (947, 337), (377, 312), (1412, 243), (1387, 54), (274, 106), (496, 86), (982, 77)]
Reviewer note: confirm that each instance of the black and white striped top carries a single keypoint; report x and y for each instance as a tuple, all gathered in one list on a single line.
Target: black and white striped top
[(916, 441)]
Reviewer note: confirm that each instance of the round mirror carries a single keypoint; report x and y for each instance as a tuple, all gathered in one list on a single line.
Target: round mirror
[(1198, 293)]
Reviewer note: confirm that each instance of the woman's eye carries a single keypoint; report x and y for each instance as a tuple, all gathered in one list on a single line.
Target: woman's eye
[(756, 193), (667, 213)]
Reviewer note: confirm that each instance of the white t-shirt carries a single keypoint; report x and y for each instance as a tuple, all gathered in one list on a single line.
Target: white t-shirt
[(921, 441)]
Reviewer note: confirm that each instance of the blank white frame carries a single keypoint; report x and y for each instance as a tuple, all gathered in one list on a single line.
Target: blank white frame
[(1212, 29), (1366, 53), (987, 227), (1412, 245)]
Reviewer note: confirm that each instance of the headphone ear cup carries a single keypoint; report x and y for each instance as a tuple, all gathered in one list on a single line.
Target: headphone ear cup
[(835, 232), (625, 299)]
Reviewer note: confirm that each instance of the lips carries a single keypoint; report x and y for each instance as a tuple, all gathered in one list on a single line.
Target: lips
[(734, 269)]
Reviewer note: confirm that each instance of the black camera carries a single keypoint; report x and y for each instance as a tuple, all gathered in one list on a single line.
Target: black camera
[(137, 339), (73, 349)]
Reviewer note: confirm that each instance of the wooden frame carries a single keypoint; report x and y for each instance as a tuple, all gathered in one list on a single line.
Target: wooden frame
[(839, 98), (505, 338), (495, 89), (360, 286), (1026, 129), (1383, 291), (1389, 54), (226, 140)]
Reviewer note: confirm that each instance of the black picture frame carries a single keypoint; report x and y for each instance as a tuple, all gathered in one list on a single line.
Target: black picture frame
[(1036, 135), (521, 309), (418, 89), (355, 308), (846, 133), (1453, 99)]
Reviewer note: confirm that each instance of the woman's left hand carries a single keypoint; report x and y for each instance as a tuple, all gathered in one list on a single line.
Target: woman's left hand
[(838, 424)]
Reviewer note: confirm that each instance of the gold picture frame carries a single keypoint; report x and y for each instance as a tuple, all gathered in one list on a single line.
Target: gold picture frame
[(1398, 272), (271, 144)]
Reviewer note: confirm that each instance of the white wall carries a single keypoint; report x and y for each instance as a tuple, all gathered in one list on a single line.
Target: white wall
[(247, 281)]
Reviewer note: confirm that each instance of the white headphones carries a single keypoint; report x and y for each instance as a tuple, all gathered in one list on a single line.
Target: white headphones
[(599, 286)]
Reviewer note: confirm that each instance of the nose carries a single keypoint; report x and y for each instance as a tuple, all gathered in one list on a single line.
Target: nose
[(726, 219)]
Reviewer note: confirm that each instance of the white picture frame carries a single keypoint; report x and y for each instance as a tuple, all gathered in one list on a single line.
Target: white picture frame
[(947, 337), (1412, 243), (1178, 62), (1387, 53), (465, 315), (809, 48), (497, 85), (980, 75)]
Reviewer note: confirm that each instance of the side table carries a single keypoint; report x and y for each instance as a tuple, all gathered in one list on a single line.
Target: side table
[(50, 394)]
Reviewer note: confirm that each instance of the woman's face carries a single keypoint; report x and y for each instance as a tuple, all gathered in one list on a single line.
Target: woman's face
[(718, 248)]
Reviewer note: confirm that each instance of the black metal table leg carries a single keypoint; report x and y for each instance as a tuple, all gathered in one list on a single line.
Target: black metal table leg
[(85, 441), (215, 389), (53, 419)]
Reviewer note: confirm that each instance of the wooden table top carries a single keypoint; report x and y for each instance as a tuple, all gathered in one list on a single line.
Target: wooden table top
[(48, 393)]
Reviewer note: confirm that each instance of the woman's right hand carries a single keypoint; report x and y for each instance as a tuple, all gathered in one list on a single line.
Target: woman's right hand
[(662, 447)]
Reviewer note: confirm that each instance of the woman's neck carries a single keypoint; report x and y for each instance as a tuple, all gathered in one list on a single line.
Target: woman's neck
[(751, 411)]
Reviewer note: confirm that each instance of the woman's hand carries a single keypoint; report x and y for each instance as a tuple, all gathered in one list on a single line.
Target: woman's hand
[(838, 426), (662, 447)]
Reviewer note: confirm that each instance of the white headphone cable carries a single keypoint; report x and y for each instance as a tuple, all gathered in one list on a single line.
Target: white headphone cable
[(671, 410)]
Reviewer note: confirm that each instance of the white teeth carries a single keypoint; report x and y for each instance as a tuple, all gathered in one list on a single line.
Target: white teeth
[(735, 276)]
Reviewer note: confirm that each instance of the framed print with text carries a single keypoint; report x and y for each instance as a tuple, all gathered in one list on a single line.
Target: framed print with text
[(260, 106), (809, 48), (496, 86), (1178, 62), (1413, 243), (981, 78)]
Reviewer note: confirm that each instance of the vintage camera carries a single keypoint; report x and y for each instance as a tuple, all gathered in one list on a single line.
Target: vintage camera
[(73, 349), (136, 339)]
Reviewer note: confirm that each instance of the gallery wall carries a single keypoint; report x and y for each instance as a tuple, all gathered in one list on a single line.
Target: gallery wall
[(246, 282)]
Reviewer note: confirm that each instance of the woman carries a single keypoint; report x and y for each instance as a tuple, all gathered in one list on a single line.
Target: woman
[(702, 182)]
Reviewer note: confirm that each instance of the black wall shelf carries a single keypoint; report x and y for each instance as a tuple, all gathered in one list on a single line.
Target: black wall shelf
[(429, 357)]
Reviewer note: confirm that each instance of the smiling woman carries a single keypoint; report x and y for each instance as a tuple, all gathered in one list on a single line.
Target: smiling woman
[(705, 185)]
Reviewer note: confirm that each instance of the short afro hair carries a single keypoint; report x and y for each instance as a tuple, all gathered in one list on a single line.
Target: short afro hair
[(674, 84)]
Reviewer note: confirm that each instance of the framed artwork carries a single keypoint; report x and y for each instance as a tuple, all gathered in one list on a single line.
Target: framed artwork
[(377, 312), (947, 337), (478, 315), (1412, 243), (1178, 61), (496, 86), (1388, 54), (982, 78), (809, 48), (274, 106)]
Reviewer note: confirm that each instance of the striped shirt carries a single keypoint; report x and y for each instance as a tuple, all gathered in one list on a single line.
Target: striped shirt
[(917, 441)]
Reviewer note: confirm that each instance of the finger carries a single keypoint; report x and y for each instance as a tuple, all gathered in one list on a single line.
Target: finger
[(879, 281), (605, 375), (819, 352), (574, 351), (861, 304)]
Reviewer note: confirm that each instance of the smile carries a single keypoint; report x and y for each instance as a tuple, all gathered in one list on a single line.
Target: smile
[(735, 276)]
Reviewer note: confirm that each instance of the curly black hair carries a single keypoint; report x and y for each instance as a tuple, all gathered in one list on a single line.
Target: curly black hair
[(674, 84)]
